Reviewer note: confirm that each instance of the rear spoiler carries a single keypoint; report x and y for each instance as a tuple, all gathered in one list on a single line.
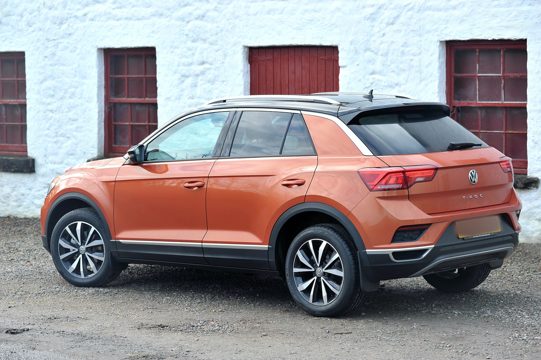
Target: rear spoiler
[(384, 108)]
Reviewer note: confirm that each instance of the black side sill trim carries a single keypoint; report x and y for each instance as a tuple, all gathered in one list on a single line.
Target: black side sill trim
[(17, 164)]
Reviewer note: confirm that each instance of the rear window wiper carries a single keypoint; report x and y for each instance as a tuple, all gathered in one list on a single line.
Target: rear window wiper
[(462, 145)]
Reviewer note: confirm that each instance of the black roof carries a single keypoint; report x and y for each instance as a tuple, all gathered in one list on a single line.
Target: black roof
[(343, 105)]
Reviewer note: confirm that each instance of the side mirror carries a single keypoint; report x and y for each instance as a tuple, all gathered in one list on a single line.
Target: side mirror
[(136, 154)]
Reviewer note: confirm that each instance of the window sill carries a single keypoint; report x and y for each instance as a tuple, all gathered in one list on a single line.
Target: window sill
[(17, 164), (526, 182)]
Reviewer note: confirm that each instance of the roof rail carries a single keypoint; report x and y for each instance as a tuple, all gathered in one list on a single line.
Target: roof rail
[(297, 98), (361, 94)]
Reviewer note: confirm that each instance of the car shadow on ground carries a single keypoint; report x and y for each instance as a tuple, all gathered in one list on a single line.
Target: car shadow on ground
[(396, 298)]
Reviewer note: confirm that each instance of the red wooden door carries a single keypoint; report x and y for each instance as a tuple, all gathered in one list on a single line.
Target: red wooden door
[(293, 70), (130, 97)]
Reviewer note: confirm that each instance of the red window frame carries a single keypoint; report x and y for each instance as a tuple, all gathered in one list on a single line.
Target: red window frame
[(479, 107), (13, 105), (134, 128), (293, 70)]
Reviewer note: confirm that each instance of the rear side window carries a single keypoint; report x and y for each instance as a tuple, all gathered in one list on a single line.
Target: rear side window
[(410, 132), (264, 133)]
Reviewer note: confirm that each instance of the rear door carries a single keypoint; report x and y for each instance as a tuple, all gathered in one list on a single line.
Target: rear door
[(474, 176), (267, 166)]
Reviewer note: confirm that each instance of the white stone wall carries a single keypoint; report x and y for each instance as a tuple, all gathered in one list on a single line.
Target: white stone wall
[(391, 46)]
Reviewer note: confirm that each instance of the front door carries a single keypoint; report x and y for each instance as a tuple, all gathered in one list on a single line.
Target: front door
[(159, 206)]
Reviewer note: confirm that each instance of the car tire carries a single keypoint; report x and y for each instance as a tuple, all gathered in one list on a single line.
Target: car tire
[(322, 272), (459, 280), (81, 249)]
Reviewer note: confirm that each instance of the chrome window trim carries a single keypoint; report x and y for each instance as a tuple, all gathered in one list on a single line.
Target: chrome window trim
[(151, 137), (360, 145)]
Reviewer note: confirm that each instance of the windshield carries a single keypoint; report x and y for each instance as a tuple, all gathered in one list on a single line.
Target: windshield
[(411, 132)]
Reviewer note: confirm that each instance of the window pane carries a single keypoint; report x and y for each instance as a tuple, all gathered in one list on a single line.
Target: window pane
[(151, 65), (14, 114), (8, 68), (260, 134), (2, 136), (21, 89), (118, 65), (139, 114), (193, 138), (136, 65), (516, 146), (121, 135), (153, 114), (490, 62), (490, 88), (468, 117), (135, 88), (516, 119), (493, 139), (515, 89), (465, 89), (21, 73), (151, 88), (14, 134), (118, 87), (515, 61), (492, 119), (298, 140), (410, 132), (121, 113), (8, 89), (465, 62), (138, 133)]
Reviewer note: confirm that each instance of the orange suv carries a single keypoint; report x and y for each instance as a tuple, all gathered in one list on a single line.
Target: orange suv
[(334, 191)]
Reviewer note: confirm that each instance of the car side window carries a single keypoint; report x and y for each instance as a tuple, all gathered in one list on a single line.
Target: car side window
[(298, 141), (190, 139), (260, 133)]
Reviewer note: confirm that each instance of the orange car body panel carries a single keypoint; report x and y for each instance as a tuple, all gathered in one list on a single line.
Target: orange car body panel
[(245, 197), (152, 202)]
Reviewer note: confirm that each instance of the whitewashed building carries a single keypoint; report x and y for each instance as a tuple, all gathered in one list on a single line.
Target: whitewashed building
[(84, 79)]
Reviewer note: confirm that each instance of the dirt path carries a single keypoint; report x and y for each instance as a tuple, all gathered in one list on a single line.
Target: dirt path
[(154, 312)]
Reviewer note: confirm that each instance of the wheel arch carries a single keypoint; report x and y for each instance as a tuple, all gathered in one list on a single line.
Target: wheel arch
[(66, 203), (316, 213)]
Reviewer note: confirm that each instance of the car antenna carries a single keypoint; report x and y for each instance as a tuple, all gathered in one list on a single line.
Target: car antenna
[(370, 95)]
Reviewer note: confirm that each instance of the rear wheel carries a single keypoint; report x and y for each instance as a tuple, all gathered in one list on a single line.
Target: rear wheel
[(459, 280), (322, 273), (80, 248)]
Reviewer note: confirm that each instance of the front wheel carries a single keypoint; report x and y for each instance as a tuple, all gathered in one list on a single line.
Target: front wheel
[(322, 273), (80, 248), (459, 280)]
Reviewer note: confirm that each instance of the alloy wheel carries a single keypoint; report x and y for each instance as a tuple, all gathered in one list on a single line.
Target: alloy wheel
[(318, 272), (81, 249)]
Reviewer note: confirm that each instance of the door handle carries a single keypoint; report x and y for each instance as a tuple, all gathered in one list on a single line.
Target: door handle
[(194, 185), (291, 183)]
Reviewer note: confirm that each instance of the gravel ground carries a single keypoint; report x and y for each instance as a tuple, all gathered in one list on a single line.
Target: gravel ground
[(155, 312)]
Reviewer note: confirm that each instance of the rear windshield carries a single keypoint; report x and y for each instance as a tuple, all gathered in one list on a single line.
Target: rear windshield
[(410, 132)]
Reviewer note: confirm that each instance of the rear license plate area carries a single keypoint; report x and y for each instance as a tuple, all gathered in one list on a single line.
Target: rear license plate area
[(477, 227)]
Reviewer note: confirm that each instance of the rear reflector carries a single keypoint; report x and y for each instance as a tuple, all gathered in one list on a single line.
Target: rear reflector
[(409, 233), (396, 178), (506, 165)]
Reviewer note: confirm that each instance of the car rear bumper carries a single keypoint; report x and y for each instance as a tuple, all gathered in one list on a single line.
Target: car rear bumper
[(448, 253)]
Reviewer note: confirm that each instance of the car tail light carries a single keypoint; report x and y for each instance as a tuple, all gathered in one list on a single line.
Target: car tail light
[(396, 178), (507, 165)]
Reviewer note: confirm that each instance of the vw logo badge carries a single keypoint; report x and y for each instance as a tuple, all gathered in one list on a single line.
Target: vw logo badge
[(473, 176)]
